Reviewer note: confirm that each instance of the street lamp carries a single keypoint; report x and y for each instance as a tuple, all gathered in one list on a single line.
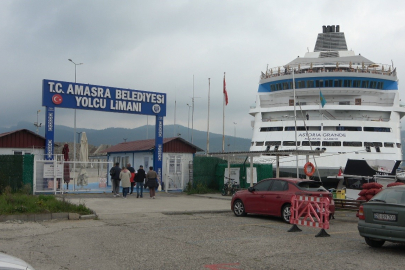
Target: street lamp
[(36, 123), (234, 134), (188, 122), (74, 132)]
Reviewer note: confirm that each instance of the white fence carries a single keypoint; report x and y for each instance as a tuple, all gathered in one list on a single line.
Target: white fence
[(59, 176)]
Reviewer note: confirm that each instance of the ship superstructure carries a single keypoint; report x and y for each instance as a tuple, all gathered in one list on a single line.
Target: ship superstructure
[(361, 116)]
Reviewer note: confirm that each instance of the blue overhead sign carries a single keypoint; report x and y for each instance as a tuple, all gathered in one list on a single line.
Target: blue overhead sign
[(71, 95)]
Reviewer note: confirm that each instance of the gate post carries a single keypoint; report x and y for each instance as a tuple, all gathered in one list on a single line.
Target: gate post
[(158, 153), (49, 132)]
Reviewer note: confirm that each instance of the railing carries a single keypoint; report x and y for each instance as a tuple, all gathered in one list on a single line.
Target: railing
[(375, 119), (375, 69), (363, 103)]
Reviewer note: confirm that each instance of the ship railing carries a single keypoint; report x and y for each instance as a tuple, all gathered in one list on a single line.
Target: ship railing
[(340, 103), (371, 69), (299, 118)]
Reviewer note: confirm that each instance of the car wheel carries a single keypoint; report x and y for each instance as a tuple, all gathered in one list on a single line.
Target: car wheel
[(239, 208), (374, 243), (286, 213)]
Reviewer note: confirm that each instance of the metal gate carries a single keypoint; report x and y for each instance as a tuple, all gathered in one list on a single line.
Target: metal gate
[(59, 176)]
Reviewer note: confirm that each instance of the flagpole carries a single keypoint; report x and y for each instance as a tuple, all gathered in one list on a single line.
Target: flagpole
[(295, 121), (192, 114), (223, 118), (208, 122)]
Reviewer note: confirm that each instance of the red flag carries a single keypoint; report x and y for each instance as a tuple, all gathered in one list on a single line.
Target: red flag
[(225, 93)]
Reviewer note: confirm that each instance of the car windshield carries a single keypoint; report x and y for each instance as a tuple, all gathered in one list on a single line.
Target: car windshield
[(391, 195), (311, 186)]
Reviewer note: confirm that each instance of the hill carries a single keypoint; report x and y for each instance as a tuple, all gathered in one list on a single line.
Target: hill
[(113, 136)]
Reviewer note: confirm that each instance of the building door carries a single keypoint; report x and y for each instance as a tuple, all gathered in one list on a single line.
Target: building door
[(174, 175)]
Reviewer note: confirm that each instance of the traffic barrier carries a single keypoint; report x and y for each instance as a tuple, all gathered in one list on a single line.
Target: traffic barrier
[(310, 211)]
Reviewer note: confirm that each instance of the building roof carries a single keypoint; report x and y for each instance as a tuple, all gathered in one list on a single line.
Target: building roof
[(21, 138), (145, 145)]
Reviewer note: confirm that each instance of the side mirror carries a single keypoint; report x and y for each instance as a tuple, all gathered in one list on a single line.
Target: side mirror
[(251, 189)]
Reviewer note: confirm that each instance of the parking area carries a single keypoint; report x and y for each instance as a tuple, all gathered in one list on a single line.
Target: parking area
[(157, 239)]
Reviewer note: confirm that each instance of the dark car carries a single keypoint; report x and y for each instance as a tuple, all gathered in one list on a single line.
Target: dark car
[(383, 217), (273, 197)]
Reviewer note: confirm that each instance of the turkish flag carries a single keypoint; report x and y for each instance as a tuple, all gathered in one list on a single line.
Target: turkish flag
[(225, 93)]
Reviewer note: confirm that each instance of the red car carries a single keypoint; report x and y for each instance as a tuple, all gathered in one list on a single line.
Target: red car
[(273, 197)]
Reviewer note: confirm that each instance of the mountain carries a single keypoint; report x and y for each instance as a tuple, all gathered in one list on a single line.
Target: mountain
[(114, 136)]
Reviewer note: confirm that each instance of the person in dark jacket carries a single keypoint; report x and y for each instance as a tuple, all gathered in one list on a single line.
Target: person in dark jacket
[(152, 181), (132, 171), (139, 178), (115, 179)]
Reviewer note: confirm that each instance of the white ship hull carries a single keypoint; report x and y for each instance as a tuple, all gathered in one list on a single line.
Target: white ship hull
[(360, 119)]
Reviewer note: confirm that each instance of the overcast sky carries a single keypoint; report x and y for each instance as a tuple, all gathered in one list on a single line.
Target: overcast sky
[(159, 46)]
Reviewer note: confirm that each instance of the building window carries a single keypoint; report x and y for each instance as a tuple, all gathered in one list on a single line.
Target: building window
[(146, 162), (17, 153)]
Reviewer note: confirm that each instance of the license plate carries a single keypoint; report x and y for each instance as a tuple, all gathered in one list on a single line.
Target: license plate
[(385, 217)]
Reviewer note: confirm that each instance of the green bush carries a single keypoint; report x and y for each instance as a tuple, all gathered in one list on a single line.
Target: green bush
[(16, 203)]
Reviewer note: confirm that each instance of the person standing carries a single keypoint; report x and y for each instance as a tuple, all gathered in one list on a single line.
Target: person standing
[(125, 176), (132, 171), (115, 179), (139, 179), (151, 181)]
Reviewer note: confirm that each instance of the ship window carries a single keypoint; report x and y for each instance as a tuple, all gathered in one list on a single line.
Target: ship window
[(291, 102), (313, 143), (301, 103), (349, 128), (356, 83), (290, 143), (273, 87), (344, 102), (328, 83), (378, 144), (279, 87), (301, 84), (353, 144), (368, 149), (285, 86), (380, 85), (265, 129), (291, 85), (289, 128), (347, 83), (333, 143), (338, 83), (377, 129), (314, 128), (389, 144), (319, 83), (273, 143), (373, 84), (252, 143), (310, 84), (259, 143), (398, 145), (357, 101), (364, 84), (369, 144)]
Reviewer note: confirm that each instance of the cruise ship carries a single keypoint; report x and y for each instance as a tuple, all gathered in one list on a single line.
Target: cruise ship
[(345, 104)]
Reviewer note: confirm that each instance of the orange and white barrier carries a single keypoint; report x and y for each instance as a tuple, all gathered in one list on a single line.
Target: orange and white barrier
[(310, 211)]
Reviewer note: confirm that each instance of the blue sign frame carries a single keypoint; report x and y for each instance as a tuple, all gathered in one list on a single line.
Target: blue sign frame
[(59, 94)]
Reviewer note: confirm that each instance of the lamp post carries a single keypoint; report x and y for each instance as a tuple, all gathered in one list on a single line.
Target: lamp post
[(74, 134), (36, 123), (188, 122), (234, 135)]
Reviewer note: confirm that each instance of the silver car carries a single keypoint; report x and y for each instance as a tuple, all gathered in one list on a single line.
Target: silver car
[(12, 263), (383, 217)]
